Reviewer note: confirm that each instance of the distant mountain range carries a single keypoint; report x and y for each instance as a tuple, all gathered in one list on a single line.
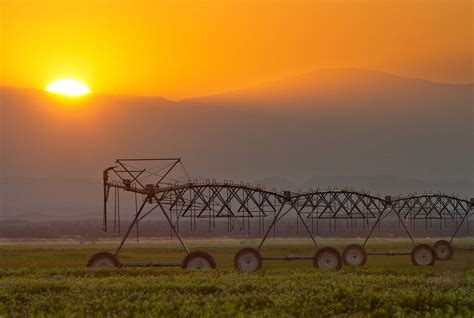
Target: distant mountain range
[(326, 123)]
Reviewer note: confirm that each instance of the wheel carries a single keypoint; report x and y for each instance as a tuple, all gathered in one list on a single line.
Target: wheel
[(198, 260), (354, 254), (423, 255), (248, 260), (443, 250), (103, 260), (328, 258)]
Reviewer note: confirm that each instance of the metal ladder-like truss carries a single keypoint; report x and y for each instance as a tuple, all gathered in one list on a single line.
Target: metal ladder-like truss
[(158, 186)]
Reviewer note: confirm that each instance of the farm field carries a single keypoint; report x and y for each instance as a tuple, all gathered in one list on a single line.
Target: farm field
[(50, 279)]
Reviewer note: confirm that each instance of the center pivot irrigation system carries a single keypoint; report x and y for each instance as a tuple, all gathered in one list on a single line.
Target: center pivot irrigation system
[(163, 186)]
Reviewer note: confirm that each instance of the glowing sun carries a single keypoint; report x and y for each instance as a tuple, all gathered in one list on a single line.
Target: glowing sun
[(68, 87)]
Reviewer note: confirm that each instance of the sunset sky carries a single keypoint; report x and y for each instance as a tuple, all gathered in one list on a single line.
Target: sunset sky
[(183, 48)]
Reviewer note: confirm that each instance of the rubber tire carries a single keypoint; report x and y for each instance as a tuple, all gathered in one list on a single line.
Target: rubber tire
[(245, 251), (205, 255), (331, 250), (449, 246), (346, 250), (412, 255), (106, 255)]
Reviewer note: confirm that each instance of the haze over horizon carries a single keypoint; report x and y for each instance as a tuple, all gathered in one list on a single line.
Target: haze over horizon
[(345, 111)]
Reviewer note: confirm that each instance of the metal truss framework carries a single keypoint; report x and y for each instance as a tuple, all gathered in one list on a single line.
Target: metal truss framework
[(156, 190)]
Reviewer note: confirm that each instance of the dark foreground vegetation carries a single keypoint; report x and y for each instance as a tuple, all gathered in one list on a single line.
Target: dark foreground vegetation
[(49, 279)]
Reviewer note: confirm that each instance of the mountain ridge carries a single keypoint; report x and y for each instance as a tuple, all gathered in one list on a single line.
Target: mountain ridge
[(406, 130), (259, 85)]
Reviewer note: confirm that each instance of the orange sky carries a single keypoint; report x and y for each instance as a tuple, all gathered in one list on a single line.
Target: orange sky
[(184, 48)]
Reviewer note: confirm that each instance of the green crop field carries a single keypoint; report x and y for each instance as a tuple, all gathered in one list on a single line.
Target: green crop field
[(50, 279)]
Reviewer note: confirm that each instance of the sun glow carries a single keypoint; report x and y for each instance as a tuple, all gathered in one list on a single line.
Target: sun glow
[(68, 87)]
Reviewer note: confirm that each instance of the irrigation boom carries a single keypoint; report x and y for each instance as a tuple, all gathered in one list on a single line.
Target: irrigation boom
[(163, 185)]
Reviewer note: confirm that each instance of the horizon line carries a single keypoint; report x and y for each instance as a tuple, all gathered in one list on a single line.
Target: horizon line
[(257, 85)]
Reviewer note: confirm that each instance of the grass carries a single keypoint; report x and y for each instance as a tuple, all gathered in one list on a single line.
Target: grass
[(49, 279)]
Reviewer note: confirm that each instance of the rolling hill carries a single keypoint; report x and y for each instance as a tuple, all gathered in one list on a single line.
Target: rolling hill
[(325, 123)]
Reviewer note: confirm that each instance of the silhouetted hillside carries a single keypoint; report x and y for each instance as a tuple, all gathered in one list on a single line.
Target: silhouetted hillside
[(325, 123)]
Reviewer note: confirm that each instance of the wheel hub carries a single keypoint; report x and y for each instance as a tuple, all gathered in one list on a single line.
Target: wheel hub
[(247, 262), (328, 261), (423, 256)]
